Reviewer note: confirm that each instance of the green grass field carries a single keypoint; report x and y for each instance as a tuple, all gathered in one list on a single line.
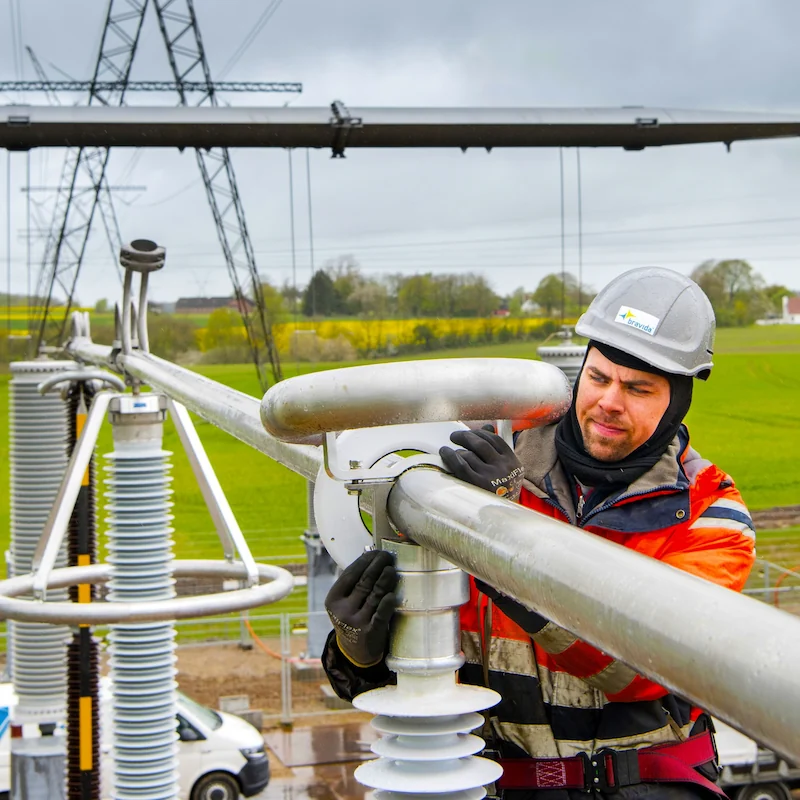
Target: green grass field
[(745, 419)]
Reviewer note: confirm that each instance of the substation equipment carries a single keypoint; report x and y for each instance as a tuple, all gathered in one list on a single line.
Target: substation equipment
[(680, 631), (565, 354), (140, 604)]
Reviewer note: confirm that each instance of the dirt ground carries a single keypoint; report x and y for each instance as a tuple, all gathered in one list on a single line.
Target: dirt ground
[(209, 672)]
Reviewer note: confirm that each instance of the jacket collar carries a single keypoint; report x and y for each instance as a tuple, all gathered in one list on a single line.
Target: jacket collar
[(664, 487)]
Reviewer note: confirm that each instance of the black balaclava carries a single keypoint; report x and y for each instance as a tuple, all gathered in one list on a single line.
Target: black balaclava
[(618, 474)]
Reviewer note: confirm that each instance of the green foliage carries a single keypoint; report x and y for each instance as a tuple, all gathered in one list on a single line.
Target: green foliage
[(425, 337), (552, 291), (774, 294), (515, 301), (274, 302), (430, 295), (171, 336), (224, 329), (735, 289), (320, 298)]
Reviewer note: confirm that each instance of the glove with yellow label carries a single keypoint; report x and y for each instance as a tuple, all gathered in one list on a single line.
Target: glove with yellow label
[(361, 604), (486, 461)]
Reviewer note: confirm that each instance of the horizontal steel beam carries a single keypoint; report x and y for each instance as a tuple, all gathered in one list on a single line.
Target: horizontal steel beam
[(729, 653), (336, 127), (726, 652)]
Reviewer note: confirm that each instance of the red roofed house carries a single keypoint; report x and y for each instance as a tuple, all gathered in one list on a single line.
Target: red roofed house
[(791, 310)]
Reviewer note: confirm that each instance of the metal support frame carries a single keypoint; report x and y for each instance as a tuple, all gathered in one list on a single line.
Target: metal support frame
[(230, 534), (49, 545)]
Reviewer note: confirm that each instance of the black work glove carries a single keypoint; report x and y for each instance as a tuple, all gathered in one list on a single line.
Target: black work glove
[(360, 605), (530, 621), (486, 461)]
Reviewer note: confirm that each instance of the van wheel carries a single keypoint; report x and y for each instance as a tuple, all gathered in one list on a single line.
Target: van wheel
[(218, 786), (764, 791)]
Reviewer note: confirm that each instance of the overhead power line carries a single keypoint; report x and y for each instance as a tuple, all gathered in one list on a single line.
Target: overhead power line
[(251, 36)]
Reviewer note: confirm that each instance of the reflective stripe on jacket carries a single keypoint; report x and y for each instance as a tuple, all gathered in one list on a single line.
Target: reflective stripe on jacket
[(561, 696)]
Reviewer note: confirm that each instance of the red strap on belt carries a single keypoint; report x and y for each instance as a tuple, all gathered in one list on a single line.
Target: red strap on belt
[(607, 770)]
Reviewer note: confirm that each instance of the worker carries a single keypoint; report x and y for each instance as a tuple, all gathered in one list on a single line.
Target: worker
[(618, 465)]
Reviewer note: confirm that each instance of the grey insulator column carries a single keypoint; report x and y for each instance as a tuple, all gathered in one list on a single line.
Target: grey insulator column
[(140, 552), (568, 357), (38, 456)]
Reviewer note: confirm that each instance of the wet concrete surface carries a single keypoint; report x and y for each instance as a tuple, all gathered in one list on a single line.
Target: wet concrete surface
[(320, 761), (322, 744), (324, 782)]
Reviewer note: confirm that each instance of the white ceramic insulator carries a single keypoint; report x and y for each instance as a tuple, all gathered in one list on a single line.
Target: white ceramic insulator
[(142, 656), (39, 432), (426, 748)]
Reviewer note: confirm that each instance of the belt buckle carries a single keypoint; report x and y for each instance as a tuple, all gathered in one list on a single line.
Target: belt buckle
[(592, 766), (624, 766)]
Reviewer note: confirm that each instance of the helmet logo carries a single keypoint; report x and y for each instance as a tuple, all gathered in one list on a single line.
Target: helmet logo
[(640, 320)]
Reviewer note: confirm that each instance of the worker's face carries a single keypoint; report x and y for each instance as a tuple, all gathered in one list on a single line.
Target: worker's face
[(618, 408)]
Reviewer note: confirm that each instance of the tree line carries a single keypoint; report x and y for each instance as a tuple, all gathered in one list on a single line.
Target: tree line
[(340, 288), (738, 293)]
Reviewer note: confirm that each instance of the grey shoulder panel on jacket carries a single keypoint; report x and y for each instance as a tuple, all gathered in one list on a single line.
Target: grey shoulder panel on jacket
[(536, 449)]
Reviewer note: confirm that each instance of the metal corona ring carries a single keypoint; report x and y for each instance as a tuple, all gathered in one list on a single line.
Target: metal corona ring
[(109, 613)]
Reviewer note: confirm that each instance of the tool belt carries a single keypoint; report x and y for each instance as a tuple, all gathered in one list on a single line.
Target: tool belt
[(609, 770)]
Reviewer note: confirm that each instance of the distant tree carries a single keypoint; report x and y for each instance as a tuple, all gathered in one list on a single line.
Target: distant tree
[(320, 298), (548, 293), (551, 289), (735, 289), (416, 296), (345, 272), (774, 294), (292, 297), (475, 297), (515, 301), (369, 299), (224, 329), (101, 306), (170, 336), (274, 302)]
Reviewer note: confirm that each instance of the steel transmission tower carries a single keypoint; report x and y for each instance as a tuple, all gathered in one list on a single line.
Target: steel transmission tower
[(75, 209), (181, 33)]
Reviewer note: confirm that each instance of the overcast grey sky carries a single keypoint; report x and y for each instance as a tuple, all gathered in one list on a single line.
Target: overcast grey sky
[(424, 210)]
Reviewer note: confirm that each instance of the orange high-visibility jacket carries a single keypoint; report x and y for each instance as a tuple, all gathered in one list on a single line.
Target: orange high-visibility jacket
[(561, 696)]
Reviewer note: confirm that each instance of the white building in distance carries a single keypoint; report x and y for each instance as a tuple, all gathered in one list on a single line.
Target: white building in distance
[(791, 310)]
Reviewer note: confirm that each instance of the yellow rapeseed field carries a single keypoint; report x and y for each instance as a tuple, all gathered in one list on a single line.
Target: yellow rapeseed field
[(380, 335)]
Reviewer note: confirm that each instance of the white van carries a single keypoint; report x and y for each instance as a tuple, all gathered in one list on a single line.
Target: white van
[(752, 772), (220, 755)]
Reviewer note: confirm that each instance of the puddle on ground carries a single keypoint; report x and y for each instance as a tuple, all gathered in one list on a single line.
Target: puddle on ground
[(323, 782)]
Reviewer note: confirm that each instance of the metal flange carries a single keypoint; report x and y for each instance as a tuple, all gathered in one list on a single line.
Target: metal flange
[(111, 613)]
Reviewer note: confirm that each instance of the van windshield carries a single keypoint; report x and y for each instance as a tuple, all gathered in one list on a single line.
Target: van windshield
[(204, 715)]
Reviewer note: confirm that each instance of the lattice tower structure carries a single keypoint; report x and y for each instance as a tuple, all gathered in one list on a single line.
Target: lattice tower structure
[(75, 208)]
